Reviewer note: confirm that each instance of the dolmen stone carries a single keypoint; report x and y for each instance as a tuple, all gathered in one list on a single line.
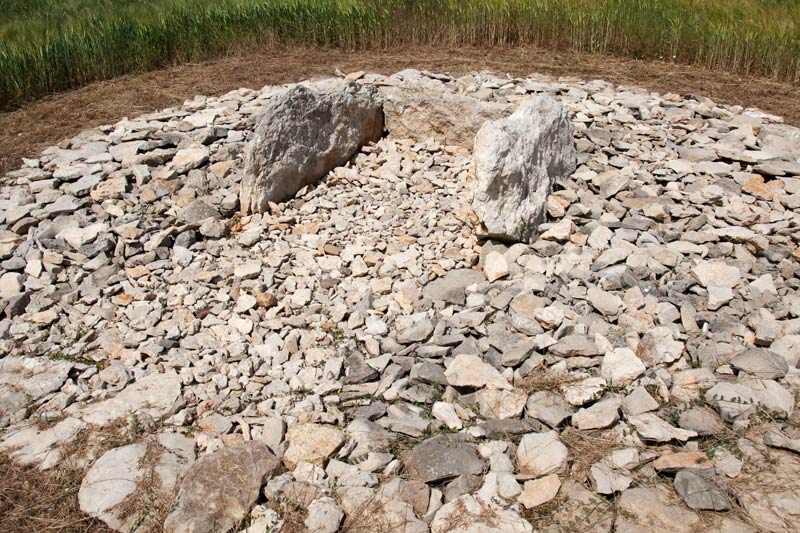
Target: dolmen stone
[(302, 135)]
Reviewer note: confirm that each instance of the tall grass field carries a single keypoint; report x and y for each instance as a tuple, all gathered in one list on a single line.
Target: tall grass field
[(53, 45)]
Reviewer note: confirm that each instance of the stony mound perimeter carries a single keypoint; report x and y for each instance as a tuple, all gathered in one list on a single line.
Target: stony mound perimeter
[(359, 357)]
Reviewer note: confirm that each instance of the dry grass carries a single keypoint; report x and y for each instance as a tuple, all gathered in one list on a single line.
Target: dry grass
[(541, 515), (569, 516), (585, 449), (31, 500), (149, 504), (32, 128), (293, 517), (541, 380), (463, 518)]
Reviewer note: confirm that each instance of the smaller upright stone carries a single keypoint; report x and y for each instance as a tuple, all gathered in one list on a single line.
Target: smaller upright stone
[(517, 159)]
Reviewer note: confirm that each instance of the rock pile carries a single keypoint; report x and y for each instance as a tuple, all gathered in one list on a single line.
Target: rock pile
[(359, 357)]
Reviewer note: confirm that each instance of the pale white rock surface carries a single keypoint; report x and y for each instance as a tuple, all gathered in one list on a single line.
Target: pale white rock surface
[(312, 443), (540, 454), (304, 133), (416, 106), (470, 371), (539, 491), (468, 514), (620, 367), (517, 159)]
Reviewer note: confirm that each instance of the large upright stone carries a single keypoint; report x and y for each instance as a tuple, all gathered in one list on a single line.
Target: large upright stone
[(220, 488), (303, 134), (517, 159), (423, 108)]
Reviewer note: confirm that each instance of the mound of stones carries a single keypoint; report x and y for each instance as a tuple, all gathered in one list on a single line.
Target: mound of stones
[(413, 302)]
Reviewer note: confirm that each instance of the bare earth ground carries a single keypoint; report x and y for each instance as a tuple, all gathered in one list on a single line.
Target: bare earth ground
[(27, 131)]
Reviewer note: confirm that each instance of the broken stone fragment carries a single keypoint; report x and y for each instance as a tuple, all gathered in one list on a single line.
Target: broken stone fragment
[(219, 489), (443, 457), (540, 454), (537, 492), (118, 487), (700, 491), (470, 371), (312, 443), (470, 514)]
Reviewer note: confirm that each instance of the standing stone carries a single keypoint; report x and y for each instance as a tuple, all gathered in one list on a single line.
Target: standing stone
[(220, 488), (517, 159), (302, 135)]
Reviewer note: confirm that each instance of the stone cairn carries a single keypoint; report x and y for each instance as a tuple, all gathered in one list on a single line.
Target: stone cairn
[(412, 303)]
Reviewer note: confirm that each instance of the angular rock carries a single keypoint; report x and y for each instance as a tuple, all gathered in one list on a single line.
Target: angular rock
[(517, 159), (651, 427), (539, 491), (606, 481), (111, 487), (550, 408), (712, 274), (540, 454), (311, 443), (700, 492), (732, 400), (495, 267), (443, 457), (469, 514), (151, 396), (649, 509), (420, 108), (452, 287), (761, 363), (324, 516), (620, 367), (598, 416), (219, 489), (607, 303), (303, 134), (672, 462), (470, 371)]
